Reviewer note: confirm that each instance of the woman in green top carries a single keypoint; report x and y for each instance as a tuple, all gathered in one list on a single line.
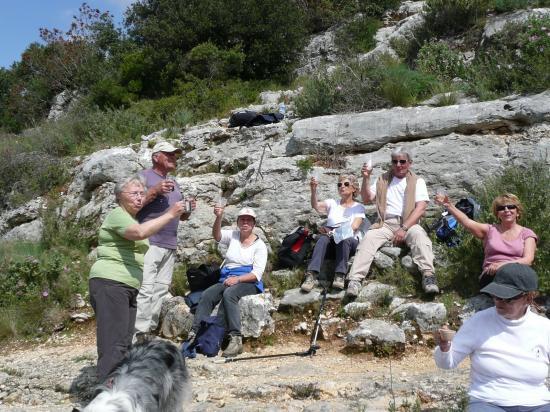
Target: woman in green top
[(116, 276)]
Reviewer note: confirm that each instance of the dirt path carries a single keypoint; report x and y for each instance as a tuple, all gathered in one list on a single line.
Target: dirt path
[(57, 375)]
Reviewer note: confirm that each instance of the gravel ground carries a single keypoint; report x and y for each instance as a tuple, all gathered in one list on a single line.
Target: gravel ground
[(58, 375)]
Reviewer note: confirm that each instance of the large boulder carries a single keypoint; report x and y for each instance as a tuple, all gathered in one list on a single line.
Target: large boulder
[(372, 130), (377, 335), (256, 315), (428, 316), (495, 24)]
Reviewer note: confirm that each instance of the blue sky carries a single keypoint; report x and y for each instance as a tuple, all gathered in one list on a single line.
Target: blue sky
[(20, 21)]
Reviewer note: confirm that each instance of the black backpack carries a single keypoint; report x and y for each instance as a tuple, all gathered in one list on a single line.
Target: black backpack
[(203, 276), (251, 118), (294, 248)]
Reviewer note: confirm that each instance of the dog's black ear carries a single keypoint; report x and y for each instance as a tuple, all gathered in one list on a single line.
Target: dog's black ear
[(75, 410)]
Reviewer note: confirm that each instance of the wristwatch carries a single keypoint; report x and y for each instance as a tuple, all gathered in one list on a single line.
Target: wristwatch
[(403, 227)]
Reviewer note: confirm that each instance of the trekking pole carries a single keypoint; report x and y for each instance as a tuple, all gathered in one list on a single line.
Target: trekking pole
[(313, 347)]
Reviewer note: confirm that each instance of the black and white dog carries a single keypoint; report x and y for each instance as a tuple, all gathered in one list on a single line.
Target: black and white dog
[(151, 378)]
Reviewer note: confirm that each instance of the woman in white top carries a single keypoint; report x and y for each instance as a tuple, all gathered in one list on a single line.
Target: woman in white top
[(241, 275), (344, 218), (508, 346)]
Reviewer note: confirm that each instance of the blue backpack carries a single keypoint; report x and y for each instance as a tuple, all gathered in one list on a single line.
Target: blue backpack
[(208, 340)]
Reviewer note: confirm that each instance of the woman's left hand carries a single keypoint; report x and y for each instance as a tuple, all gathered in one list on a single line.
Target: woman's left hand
[(231, 280), (493, 267)]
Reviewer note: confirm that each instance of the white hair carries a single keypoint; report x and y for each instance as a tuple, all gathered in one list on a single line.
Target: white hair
[(400, 151)]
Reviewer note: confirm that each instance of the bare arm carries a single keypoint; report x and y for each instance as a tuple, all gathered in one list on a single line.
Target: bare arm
[(140, 231), (162, 187), (477, 229), (356, 223), (320, 207), (217, 226), (366, 195)]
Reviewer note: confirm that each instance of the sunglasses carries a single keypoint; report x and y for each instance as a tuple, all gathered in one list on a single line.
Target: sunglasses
[(400, 161), (509, 300), (346, 184), (504, 207)]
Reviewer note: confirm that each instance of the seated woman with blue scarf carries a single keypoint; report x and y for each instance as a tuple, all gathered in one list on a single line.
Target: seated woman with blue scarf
[(241, 275)]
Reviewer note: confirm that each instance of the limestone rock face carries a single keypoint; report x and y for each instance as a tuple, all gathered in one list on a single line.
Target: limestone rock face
[(496, 24), (428, 316), (370, 131), (374, 333), (256, 315)]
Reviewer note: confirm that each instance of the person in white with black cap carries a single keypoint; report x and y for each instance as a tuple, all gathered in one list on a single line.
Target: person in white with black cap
[(508, 346), (241, 275)]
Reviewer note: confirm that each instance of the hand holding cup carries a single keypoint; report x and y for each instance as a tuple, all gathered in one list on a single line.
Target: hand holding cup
[(445, 336)]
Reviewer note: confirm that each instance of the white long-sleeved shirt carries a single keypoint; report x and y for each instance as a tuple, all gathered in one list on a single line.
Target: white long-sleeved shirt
[(509, 358)]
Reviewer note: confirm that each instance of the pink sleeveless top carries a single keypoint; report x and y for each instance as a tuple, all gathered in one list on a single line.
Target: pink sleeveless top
[(497, 249)]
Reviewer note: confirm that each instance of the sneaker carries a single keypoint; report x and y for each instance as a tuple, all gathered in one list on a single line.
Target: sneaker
[(353, 289), (338, 282), (309, 282), (429, 284), (234, 348)]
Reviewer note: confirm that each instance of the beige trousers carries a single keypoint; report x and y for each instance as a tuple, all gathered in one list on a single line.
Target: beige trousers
[(416, 239)]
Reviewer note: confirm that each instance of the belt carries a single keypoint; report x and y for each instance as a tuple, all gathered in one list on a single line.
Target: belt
[(392, 217)]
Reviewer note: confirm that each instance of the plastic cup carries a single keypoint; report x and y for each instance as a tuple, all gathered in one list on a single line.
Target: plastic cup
[(368, 163), (446, 334), (188, 204), (221, 201)]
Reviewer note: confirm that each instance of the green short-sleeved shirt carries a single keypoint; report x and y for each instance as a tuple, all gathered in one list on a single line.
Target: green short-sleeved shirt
[(118, 258)]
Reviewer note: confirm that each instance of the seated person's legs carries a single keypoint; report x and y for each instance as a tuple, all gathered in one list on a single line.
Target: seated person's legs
[(344, 250), (209, 300), (317, 258), (421, 251), (373, 240)]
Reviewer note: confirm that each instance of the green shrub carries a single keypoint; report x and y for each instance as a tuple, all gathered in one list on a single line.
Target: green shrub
[(403, 86), (530, 184), (316, 98), (305, 165), (451, 17), (439, 60), (513, 61), (357, 36), (206, 61)]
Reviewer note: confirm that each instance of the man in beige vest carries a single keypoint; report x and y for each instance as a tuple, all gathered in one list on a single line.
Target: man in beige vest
[(401, 199)]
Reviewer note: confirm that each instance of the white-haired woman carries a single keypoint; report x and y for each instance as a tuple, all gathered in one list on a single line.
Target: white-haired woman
[(341, 233), (116, 275), (241, 275)]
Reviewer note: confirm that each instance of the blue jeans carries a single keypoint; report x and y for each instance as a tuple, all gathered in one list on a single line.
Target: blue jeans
[(342, 250), (476, 405)]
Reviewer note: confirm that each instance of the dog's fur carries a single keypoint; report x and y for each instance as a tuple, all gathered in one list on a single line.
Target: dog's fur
[(151, 378)]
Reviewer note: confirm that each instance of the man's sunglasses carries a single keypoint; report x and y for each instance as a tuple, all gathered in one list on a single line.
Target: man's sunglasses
[(504, 207), (400, 161), (340, 184), (509, 300)]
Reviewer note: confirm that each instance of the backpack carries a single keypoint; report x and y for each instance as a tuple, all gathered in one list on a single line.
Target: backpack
[(242, 118), (208, 340), (202, 277), (446, 226), (251, 118), (294, 248)]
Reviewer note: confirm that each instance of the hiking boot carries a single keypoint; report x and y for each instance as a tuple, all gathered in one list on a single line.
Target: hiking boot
[(234, 348), (309, 282), (353, 289), (143, 337), (191, 336), (429, 283), (339, 279)]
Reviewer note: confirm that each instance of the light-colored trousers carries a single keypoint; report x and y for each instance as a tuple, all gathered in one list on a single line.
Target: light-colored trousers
[(158, 267), (416, 239)]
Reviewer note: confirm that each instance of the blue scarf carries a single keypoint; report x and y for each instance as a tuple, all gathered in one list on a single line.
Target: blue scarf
[(239, 271)]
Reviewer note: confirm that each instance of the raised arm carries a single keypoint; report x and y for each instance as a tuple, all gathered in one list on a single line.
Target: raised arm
[(366, 195), (140, 231), (217, 226), (320, 207), (477, 229)]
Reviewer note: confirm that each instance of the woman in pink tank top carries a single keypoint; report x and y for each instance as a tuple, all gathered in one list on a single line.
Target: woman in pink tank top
[(504, 242)]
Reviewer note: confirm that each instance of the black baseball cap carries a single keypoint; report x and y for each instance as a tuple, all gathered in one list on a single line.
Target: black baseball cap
[(511, 280)]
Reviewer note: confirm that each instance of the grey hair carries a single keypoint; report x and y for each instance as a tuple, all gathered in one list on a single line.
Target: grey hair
[(400, 151), (353, 181), (127, 180)]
